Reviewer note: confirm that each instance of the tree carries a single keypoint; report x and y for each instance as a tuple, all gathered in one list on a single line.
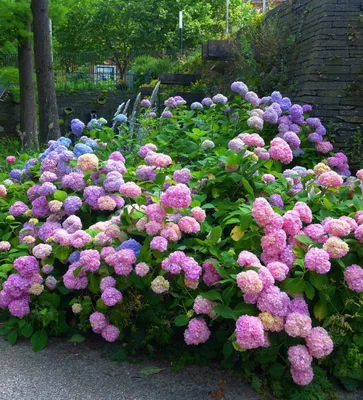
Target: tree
[(47, 100), (16, 33), (123, 27)]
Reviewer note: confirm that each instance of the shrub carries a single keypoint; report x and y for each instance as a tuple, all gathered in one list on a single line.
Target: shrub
[(200, 234)]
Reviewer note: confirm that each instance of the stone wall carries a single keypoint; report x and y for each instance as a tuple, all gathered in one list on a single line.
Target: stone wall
[(82, 103), (326, 65)]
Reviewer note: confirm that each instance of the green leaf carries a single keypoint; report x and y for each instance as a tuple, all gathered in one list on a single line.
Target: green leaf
[(60, 195), (159, 179), (248, 187), (212, 295), (26, 331), (63, 253), (245, 309), (309, 291), (320, 311), (181, 320), (215, 234), (151, 370), (277, 370), (319, 280), (39, 340), (224, 311), (246, 221), (227, 349), (77, 338), (49, 299), (12, 337), (77, 271), (294, 285), (93, 285), (304, 239)]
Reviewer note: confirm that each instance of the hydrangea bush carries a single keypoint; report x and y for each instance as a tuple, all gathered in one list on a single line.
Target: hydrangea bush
[(232, 226)]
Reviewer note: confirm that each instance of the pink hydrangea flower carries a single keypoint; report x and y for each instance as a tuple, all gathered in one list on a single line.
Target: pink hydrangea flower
[(158, 160), (159, 243), (262, 211), (299, 357), (248, 259), (317, 260), (249, 332), (280, 151), (42, 251), (10, 159), (273, 301), (292, 223), (353, 276), (90, 259), (130, 189), (330, 179), (178, 196), (319, 343), (155, 212), (197, 332), (107, 282), (304, 212), (5, 246), (358, 233), (98, 321), (204, 306), (302, 377), (111, 296), (79, 239), (142, 269), (171, 232), (182, 175), (110, 333), (278, 270), (336, 247), (337, 227), (198, 214), (249, 282), (188, 225), (210, 276), (3, 191), (298, 325), (152, 228), (268, 178)]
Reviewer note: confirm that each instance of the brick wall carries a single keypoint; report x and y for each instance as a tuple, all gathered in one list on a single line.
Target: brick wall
[(326, 66), (81, 102)]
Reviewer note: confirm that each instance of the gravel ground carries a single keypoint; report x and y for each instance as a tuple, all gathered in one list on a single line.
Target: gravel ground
[(64, 371)]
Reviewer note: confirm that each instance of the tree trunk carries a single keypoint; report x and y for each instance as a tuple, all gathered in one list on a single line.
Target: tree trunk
[(47, 100), (28, 108)]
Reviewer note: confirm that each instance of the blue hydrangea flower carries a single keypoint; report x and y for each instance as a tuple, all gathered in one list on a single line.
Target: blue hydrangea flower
[(77, 127), (131, 244), (80, 149), (64, 141), (91, 143), (120, 118), (16, 175), (93, 124), (74, 257), (276, 97)]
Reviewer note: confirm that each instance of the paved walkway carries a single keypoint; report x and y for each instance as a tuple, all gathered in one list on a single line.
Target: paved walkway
[(64, 371)]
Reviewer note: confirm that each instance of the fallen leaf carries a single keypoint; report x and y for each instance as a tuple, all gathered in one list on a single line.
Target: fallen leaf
[(237, 233), (151, 370)]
